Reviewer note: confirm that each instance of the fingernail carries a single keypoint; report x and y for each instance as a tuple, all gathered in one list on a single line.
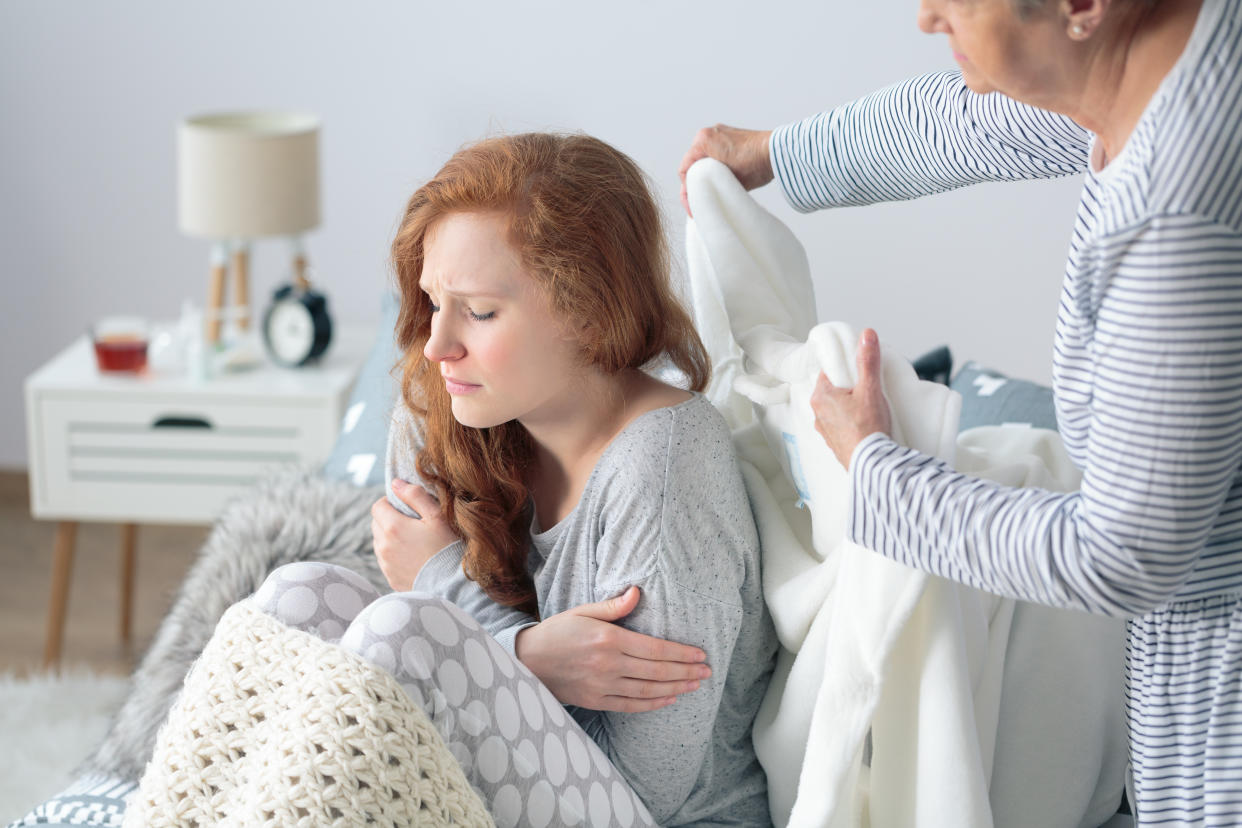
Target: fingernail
[(694, 685), (705, 671), (702, 656), (398, 483)]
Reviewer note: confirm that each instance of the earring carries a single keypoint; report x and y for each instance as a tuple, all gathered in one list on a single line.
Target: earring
[(1078, 30)]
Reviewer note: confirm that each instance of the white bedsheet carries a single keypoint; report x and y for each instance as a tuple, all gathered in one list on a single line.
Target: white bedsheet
[(981, 711)]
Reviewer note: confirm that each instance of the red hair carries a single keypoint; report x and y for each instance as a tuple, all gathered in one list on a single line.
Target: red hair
[(586, 228)]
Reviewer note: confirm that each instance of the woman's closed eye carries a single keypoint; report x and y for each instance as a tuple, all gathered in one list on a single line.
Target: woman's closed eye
[(477, 317)]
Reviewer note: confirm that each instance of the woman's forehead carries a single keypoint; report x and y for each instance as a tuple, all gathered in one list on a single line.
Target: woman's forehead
[(469, 254)]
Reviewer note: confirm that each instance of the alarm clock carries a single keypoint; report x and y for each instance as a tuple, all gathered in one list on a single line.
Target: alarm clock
[(296, 326)]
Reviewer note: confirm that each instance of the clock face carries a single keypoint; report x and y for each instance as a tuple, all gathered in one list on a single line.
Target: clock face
[(290, 331)]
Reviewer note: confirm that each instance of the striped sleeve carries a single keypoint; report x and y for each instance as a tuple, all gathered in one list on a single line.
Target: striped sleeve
[(1163, 442), (925, 135)]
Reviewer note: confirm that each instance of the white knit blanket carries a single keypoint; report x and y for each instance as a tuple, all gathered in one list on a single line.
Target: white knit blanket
[(981, 711), (276, 727)]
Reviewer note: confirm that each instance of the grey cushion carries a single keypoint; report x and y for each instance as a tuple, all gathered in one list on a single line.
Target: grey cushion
[(358, 455), (991, 398)]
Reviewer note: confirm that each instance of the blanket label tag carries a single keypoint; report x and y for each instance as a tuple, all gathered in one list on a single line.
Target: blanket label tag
[(794, 458)]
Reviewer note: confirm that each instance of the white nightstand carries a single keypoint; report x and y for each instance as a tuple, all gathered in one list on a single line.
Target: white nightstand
[(163, 449)]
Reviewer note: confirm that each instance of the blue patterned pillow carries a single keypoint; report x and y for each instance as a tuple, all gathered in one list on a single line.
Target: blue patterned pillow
[(991, 398), (358, 455), (94, 800)]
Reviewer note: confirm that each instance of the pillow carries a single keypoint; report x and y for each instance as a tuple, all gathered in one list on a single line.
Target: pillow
[(935, 365), (93, 800), (358, 456), (991, 398)]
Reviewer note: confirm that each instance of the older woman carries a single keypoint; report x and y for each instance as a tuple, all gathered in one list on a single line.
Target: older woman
[(1145, 97)]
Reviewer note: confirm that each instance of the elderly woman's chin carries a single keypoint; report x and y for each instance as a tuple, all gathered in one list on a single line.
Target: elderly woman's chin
[(975, 83)]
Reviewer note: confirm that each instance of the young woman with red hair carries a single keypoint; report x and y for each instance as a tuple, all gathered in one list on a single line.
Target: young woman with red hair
[(579, 515)]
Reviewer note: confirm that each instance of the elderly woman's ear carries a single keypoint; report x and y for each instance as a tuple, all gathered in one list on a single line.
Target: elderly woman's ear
[(1083, 17)]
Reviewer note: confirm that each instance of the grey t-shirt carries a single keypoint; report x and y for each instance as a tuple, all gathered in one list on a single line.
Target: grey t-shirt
[(665, 510)]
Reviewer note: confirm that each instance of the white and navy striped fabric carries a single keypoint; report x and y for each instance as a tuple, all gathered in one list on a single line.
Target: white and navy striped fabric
[(1148, 383)]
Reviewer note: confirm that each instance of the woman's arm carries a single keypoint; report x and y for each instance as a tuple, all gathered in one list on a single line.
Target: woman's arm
[(665, 753), (588, 660), (1163, 442), (424, 555), (922, 136), (676, 521), (582, 655)]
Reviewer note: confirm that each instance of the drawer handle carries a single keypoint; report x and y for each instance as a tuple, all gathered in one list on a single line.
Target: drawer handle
[(181, 422)]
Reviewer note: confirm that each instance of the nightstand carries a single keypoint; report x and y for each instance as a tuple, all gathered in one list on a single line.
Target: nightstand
[(153, 448)]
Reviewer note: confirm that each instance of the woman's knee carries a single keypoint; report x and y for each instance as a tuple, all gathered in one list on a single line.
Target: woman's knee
[(317, 597), (411, 634)]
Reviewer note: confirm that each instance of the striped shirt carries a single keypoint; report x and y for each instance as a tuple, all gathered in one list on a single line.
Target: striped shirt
[(1148, 384)]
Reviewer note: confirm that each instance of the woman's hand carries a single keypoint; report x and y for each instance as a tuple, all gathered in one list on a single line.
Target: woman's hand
[(844, 416), (588, 661), (744, 151), (402, 543)]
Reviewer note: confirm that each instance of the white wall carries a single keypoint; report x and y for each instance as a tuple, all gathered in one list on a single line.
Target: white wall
[(90, 93)]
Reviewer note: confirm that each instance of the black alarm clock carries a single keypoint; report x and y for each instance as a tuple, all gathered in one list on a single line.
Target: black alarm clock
[(296, 326)]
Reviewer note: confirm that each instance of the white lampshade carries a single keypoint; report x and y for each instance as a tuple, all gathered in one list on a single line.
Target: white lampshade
[(248, 174)]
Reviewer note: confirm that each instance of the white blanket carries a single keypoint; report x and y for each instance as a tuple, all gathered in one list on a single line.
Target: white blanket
[(980, 710)]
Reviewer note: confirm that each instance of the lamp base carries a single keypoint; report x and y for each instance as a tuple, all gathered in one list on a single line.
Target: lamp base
[(240, 309)]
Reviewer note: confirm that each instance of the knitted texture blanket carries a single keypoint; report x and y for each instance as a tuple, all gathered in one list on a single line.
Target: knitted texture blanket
[(276, 727)]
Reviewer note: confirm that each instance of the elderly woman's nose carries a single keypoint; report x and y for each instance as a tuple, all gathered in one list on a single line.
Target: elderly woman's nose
[(929, 19)]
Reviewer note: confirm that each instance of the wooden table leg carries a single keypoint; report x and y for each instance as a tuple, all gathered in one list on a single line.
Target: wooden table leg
[(129, 542), (58, 602)]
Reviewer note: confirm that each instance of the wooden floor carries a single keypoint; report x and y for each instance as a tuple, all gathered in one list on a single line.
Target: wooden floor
[(93, 627)]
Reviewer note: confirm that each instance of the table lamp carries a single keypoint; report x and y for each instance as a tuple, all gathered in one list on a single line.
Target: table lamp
[(242, 176)]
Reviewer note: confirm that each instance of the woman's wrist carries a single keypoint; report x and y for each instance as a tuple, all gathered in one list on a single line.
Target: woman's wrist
[(440, 566), (862, 446), (526, 648), (763, 152)]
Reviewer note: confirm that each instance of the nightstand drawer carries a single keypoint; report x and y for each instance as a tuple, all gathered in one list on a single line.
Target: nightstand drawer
[(154, 459)]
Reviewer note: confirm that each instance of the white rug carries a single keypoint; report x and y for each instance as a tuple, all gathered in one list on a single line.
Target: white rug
[(48, 724)]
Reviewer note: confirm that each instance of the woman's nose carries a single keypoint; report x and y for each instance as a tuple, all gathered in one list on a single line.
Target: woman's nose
[(442, 344), (929, 19)]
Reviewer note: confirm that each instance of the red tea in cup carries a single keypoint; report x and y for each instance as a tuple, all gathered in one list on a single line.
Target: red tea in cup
[(120, 344), (121, 352)]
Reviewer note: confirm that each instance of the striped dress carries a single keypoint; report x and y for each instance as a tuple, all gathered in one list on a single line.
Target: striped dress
[(1148, 383)]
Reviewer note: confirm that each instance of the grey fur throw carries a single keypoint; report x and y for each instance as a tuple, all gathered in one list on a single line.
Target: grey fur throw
[(293, 516)]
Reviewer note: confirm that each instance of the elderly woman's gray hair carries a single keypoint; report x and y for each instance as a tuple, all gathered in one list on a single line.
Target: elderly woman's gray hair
[(1027, 7)]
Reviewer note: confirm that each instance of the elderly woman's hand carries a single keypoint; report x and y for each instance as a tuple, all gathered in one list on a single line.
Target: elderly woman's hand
[(844, 416), (404, 544), (744, 151)]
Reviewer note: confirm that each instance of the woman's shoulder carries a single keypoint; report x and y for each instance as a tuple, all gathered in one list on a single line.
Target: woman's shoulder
[(1188, 144), (677, 464), (672, 503), (690, 435)]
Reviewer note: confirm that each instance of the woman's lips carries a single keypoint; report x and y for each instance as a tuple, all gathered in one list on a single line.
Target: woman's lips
[(458, 387), (959, 57)]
